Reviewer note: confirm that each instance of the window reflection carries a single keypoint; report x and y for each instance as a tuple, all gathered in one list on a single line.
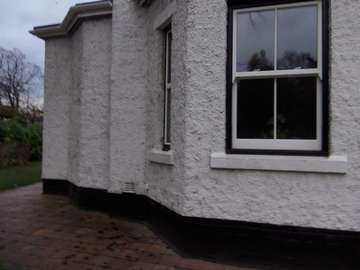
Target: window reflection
[(255, 110), (259, 61), (168, 116), (293, 59), (297, 37), (255, 40), (296, 111)]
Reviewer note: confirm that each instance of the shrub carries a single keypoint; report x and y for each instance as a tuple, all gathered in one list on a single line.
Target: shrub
[(35, 140), (20, 142), (15, 131)]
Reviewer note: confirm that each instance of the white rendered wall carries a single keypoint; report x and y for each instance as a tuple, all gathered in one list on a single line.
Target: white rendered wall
[(127, 98), (302, 199), (77, 92), (135, 104), (56, 109), (164, 182), (76, 64), (95, 104)]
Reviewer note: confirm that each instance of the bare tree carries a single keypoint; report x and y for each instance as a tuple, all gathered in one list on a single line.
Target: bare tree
[(18, 78)]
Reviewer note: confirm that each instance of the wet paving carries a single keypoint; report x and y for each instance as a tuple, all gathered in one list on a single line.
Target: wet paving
[(49, 232)]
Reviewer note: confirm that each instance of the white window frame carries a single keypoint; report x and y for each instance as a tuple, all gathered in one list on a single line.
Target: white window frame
[(167, 96), (278, 144)]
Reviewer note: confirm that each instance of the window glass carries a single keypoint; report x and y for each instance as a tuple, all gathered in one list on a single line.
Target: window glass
[(280, 109), (255, 40), (255, 109), (168, 116), (297, 37), (167, 90), (169, 46), (296, 108)]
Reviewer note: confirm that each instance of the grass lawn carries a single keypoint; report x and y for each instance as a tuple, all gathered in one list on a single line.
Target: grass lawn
[(13, 177), (2, 267)]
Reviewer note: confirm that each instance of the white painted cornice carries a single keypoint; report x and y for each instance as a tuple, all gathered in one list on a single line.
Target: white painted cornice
[(75, 15)]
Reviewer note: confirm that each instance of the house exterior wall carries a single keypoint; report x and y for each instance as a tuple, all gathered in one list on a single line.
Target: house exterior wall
[(95, 103), (76, 124), (75, 105), (111, 117), (56, 109), (164, 183), (127, 107), (301, 199), (285, 198)]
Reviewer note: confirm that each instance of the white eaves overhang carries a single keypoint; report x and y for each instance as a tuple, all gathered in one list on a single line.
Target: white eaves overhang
[(75, 15)]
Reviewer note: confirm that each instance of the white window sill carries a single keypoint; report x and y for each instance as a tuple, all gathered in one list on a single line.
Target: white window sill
[(161, 157), (332, 164)]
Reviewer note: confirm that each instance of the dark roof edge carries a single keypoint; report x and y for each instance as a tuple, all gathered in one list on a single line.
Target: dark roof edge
[(144, 3), (74, 15)]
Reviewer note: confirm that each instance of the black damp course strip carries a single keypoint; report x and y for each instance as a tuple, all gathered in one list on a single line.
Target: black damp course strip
[(238, 243)]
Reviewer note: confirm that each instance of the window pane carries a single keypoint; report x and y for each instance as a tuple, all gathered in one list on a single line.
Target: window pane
[(297, 37), (168, 116), (255, 112), (169, 44), (255, 40), (296, 111)]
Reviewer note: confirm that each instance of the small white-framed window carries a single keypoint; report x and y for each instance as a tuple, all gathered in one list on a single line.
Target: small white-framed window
[(167, 89), (277, 93)]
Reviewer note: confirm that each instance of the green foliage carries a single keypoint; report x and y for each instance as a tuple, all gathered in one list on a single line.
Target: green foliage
[(14, 131), (35, 140), (19, 141)]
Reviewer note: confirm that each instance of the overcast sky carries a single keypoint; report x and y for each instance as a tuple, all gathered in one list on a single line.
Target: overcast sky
[(17, 17)]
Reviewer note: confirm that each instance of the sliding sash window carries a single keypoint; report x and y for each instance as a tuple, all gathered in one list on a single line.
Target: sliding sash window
[(167, 90), (277, 97)]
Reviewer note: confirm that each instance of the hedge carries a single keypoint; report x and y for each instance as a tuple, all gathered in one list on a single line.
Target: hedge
[(20, 142)]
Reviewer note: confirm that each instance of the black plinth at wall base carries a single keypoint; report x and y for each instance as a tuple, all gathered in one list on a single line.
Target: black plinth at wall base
[(57, 187), (222, 239)]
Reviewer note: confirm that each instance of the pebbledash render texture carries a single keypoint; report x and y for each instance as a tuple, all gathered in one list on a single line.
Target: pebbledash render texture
[(104, 114)]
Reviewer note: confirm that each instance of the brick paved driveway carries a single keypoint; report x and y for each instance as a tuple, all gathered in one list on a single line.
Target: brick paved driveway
[(48, 232)]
